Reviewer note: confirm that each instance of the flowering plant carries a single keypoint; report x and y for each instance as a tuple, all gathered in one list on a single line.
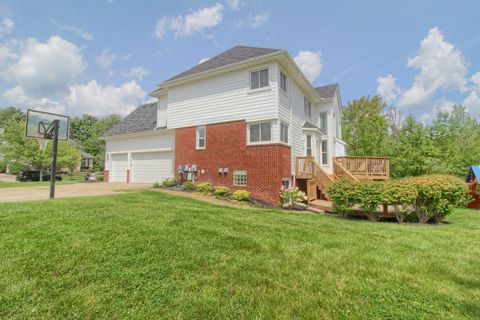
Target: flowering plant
[(291, 195)]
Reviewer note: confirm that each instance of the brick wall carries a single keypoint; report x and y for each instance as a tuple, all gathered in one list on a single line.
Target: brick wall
[(105, 175), (226, 147)]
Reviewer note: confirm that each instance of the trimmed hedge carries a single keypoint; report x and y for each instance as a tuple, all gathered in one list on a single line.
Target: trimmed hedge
[(241, 195), (221, 192), (205, 188), (429, 198)]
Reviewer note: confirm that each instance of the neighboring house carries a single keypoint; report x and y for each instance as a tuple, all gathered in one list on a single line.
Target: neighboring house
[(241, 119), (86, 162)]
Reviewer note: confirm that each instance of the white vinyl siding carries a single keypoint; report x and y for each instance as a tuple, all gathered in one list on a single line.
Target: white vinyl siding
[(222, 98), (162, 111), (240, 178), (201, 137)]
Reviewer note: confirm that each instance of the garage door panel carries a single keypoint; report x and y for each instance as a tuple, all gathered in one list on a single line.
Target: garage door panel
[(152, 166), (118, 172)]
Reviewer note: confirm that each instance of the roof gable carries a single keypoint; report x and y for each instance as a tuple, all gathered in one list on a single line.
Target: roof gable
[(328, 91), (142, 119), (234, 55)]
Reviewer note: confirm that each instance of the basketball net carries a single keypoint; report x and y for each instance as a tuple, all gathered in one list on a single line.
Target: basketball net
[(42, 143)]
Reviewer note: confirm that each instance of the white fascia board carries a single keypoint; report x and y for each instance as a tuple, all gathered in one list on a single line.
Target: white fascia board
[(137, 134)]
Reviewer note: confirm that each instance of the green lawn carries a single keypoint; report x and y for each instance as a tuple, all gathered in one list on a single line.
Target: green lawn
[(149, 255), (65, 180)]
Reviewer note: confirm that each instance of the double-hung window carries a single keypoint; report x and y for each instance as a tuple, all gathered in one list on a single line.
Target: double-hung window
[(260, 132), (323, 122), (309, 145), (201, 137), (307, 107), (284, 132), (283, 82), (259, 79), (324, 152)]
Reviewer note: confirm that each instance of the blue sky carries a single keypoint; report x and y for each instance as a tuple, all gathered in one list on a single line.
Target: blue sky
[(104, 56)]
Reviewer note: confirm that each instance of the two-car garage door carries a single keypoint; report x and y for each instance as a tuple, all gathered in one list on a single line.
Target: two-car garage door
[(145, 167)]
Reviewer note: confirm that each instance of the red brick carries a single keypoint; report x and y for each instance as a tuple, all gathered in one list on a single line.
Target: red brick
[(105, 175), (226, 147)]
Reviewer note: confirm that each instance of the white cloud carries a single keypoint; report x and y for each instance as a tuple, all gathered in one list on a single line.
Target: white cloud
[(43, 69), (310, 63), (17, 97), (99, 100), (137, 72), (235, 4), (442, 105), (387, 88), (259, 19), (472, 103), (203, 60), (441, 66), (76, 30), (476, 78), (106, 58), (6, 27), (194, 22)]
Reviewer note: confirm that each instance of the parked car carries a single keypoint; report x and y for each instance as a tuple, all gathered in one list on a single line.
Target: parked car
[(34, 175)]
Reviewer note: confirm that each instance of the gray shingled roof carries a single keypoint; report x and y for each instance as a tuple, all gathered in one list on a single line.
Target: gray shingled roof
[(308, 125), (327, 91), (236, 54), (142, 119)]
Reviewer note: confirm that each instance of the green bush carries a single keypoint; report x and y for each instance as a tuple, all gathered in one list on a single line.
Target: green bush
[(156, 185), (99, 177), (188, 186), (205, 188), (171, 182), (3, 166), (291, 195), (369, 195), (343, 195), (241, 195), (221, 192), (401, 195), (15, 167), (437, 196)]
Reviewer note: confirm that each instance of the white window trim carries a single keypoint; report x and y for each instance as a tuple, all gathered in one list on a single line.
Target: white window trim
[(322, 152), (285, 92), (260, 142), (289, 182), (288, 133), (259, 89), (306, 114), (197, 138), (244, 172)]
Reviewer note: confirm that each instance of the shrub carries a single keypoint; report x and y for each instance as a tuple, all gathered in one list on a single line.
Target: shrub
[(156, 185), (205, 188), (221, 192), (369, 195), (401, 195), (291, 195), (437, 196), (15, 167), (171, 182), (188, 186), (3, 166), (99, 177), (241, 195), (343, 195)]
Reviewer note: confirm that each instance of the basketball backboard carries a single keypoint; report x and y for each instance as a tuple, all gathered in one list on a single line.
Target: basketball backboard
[(39, 125)]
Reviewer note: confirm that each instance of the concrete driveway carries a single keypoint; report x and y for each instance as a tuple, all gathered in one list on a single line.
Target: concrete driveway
[(68, 191)]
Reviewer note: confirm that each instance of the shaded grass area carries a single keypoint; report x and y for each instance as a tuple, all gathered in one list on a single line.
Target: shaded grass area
[(75, 178), (151, 255)]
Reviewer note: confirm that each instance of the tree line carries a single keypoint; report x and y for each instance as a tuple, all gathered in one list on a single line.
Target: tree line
[(19, 152), (449, 144)]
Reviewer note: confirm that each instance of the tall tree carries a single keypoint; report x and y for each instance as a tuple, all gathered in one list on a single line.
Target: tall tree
[(365, 127)]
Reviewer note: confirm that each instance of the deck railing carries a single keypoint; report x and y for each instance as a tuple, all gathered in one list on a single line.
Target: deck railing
[(363, 168), (307, 168)]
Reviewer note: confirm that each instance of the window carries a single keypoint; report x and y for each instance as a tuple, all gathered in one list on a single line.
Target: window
[(284, 132), (260, 132), (323, 122), (324, 152), (240, 178), (309, 145), (259, 79), (286, 183), (283, 82), (307, 107), (201, 137)]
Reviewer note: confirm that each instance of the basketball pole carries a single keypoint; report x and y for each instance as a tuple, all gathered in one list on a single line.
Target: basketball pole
[(53, 171)]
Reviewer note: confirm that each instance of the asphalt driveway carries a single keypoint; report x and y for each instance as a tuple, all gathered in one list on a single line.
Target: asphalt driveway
[(20, 194)]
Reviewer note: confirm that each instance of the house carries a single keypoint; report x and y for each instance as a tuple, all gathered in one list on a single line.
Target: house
[(86, 162), (247, 118)]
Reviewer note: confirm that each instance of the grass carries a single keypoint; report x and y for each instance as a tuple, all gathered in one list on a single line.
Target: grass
[(150, 255), (75, 178)]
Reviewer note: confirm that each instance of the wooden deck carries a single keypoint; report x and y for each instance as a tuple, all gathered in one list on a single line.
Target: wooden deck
[(363, 168)]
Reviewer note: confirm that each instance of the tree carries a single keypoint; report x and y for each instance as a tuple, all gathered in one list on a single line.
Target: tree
[(9, 113), (365, 127)]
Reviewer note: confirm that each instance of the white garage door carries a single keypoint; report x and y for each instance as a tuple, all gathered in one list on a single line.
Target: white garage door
[(152, 166), (119, 164)]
